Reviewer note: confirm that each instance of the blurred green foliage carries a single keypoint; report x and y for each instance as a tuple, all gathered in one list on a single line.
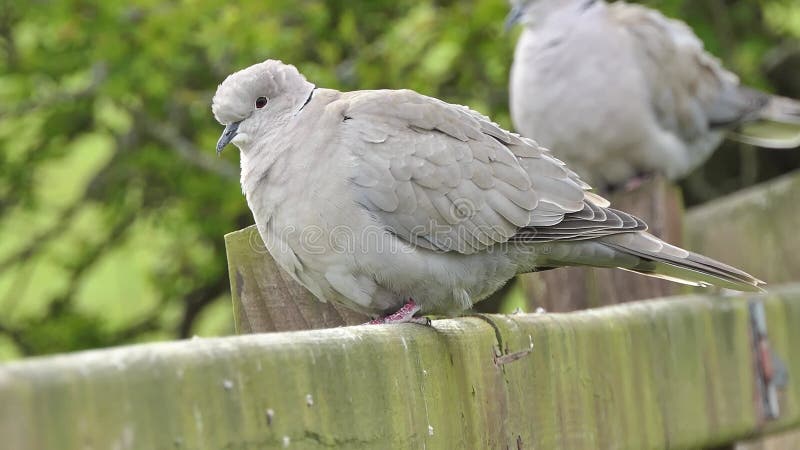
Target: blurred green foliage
[(112, 203)]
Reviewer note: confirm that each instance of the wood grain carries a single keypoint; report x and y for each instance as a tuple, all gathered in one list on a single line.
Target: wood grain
[(266, 298)]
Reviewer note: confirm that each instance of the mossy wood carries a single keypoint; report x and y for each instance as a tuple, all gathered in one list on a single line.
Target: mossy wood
[(663, 374), (756, 229), (266, 298), (787, 440), (656, 201)]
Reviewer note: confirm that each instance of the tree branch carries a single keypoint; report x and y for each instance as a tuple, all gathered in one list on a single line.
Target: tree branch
[(87, 260), (45, 236), (99, 75), (17, 338), (196, 300), (42, 238), (171, 137)]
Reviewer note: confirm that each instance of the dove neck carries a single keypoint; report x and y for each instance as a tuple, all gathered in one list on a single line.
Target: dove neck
[(258, 164)]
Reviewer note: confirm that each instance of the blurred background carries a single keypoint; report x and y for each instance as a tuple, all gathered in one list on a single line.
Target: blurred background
[(113, 205)]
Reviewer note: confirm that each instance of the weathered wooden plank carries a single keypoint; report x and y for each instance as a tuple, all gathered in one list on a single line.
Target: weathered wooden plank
[(755, 229), (660, 204), (676, 373), (266, 298), (782, 441)]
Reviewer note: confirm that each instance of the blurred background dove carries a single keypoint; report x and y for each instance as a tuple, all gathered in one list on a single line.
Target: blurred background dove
[(619, 91)]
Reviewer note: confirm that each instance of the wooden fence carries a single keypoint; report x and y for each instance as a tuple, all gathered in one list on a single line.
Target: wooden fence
[(676, 373)]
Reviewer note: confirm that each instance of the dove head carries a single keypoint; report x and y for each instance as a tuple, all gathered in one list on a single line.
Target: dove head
[(255, 100), (529, 12)]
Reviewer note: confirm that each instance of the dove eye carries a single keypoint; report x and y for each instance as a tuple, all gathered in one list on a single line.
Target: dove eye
[(261, 102)]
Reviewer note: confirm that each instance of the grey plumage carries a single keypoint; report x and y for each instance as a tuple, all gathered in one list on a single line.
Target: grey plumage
[(369, 198), (618, 89)]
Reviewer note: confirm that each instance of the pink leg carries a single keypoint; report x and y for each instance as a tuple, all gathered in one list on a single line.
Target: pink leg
[(637, 181), (403, 315)]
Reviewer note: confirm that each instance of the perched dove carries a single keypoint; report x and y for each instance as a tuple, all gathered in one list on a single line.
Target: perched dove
[(618, 90), (393, 203)]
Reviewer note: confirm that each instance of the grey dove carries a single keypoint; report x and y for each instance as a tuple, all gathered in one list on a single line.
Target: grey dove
[(393, 203), (619, 90)]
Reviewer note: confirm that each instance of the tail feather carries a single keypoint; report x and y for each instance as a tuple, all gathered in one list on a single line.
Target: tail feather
[(658, 259), (782, 109), (777, 125)]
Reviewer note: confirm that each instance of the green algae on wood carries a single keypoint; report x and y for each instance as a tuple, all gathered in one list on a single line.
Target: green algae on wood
[(675, 373), (754, 229)]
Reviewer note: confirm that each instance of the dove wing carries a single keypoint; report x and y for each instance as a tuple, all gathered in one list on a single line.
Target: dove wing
[(690, 90), (446, 178)]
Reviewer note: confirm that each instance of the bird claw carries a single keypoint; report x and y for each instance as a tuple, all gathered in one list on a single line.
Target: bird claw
[(421, 321), (403, 315)]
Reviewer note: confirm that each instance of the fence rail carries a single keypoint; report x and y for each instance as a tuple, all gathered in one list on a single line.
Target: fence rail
[(675, 373), (757, 229)]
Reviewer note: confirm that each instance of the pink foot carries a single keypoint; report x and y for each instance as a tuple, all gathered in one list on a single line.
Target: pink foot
[(637, 182), (403, 315)]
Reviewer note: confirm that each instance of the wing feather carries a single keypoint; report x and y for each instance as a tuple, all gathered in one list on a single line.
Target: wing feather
[(691, 91), (447, 178)]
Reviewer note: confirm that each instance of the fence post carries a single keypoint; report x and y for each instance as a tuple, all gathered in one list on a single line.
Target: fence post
[(660, 204), (266, 298)]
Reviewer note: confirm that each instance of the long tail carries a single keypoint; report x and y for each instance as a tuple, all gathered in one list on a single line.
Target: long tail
[(777, 125), (662, 260), (644, 253)]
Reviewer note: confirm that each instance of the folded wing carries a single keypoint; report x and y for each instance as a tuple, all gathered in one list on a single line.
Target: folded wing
[(445, 177)]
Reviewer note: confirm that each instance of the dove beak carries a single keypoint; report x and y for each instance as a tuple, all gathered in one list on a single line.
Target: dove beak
[(514, 17), (227, 135)]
